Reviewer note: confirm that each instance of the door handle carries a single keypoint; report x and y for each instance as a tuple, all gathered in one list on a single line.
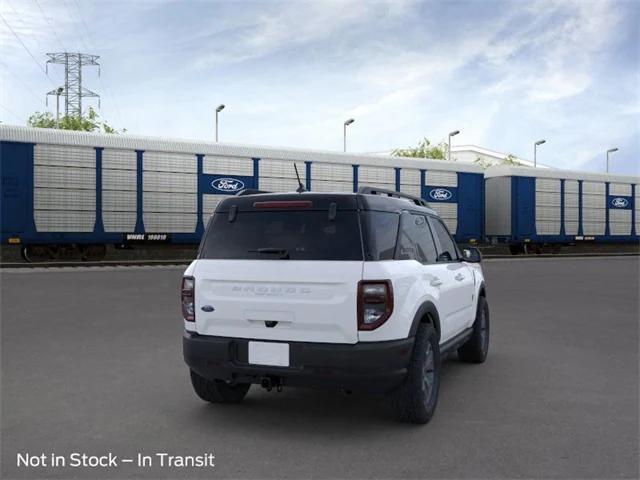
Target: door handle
[(436, 282), (459, 277)]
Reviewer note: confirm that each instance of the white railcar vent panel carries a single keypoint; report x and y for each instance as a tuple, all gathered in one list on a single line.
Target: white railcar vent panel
[(594, 214), (547, 185), (441, 178), (170, 182), (548, 214), (281, 169), (119, 221), (63, 199), (214, 165), (410, 176), (547, 228), (376, 175), (169, 222), (637, 209), (384, 186), (210, 203), (593, 187), (64, 156), (332, 172), (449, 214), (119, 159), (594, 201), (64, 221), (547, 199), (414, 190), (328, 187), (118, 201), (571, 228), (590, 228), (279, 184), (620, 189), (571, 214), (571, 186), (169, 202), (571, 200), (64, 177), (119, 180), (169, 162), (620, 222)]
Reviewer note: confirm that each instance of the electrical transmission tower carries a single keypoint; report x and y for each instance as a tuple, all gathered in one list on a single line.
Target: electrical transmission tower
[(73, 91)]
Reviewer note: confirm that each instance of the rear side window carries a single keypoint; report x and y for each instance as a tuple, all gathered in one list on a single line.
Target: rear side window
[(448, 250), (283, 235), (415, 241), (380, 232)]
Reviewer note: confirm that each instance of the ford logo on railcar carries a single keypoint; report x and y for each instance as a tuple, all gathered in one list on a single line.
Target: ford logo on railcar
[(228, 184), (440, 194), (619, 202)]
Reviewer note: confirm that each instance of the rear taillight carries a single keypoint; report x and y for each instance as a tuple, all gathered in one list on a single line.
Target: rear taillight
[(375, 303), (188, 299)]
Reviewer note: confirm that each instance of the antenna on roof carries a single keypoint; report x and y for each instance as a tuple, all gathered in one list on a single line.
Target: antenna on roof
[(300, 188)]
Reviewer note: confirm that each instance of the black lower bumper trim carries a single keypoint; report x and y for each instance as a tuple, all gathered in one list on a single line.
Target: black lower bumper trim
[(366, 366)]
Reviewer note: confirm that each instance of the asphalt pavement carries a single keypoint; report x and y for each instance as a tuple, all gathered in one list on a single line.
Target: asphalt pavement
[(92, 363)]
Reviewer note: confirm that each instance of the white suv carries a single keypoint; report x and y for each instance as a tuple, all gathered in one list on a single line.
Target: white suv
[(364, 291)]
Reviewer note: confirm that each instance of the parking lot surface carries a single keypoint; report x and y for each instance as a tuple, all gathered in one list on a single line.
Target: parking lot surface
[(92, 363)]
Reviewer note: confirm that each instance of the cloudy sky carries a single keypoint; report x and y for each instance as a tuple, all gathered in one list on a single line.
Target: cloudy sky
[(504, 73)]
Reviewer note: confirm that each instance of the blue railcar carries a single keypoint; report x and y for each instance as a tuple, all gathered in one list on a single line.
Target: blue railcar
[(529, 208), (87, 190)]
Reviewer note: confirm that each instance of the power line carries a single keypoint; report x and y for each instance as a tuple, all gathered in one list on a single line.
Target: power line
[(50, 25), (90, 39), (27, 87), (11, 112), (27, 49)]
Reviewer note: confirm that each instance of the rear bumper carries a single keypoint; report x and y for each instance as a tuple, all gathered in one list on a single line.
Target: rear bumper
[(369, 367)]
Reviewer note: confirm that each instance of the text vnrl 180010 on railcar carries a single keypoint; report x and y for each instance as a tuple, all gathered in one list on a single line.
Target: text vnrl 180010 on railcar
[(65, 189), (530, 208)]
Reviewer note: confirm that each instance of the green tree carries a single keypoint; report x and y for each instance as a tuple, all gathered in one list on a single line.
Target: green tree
[(510, 159), (88, 123), (424, 150)]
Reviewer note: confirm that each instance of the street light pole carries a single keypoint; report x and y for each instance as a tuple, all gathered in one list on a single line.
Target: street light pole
[(535, 152), (344, 133), (611, 150), (451, 134), (59, 91), (218, 110)]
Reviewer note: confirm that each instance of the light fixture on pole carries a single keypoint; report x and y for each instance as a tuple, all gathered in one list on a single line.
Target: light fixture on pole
[(218, 110), (451, 134), (535, 152), (344, 136), (611, 150)]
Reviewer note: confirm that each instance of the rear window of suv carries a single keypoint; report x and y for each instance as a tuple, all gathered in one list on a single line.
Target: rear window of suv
[(280, 235)]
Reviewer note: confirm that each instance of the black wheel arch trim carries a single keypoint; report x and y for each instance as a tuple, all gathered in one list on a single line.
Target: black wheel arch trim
[(427, 308)]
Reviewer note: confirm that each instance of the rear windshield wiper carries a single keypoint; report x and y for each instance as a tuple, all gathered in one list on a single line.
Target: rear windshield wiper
[(283, 252)]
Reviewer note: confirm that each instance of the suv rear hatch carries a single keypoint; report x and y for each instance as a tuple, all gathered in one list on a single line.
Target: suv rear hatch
[(281, 267)]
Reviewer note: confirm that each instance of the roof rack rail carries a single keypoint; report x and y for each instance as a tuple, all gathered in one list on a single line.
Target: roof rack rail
[(250, 191), (392, 193)]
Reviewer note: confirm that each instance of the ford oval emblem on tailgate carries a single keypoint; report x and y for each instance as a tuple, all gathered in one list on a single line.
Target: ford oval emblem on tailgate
[(207, 308)]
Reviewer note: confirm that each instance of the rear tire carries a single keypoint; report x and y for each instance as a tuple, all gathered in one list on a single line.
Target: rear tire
[(476, 348), (416, 399), (218, 391)]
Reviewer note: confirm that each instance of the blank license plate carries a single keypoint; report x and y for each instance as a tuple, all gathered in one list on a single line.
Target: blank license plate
[(268, 353)]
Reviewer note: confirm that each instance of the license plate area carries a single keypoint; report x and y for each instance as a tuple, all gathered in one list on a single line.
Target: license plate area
[(269, 353)]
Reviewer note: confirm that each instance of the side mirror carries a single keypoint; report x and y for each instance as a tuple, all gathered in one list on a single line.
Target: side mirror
[(472, 255)]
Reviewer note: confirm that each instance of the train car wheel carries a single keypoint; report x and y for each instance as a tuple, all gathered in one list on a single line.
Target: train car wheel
[(93, 253), (39, 253), (532, 249), (516, 249), (556, 248)]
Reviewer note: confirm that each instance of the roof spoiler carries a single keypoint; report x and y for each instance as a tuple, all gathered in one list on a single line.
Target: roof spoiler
[(392, 193)]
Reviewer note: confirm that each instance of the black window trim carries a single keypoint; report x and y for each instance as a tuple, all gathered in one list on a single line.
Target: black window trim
[(433, 218), (434, 237)]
